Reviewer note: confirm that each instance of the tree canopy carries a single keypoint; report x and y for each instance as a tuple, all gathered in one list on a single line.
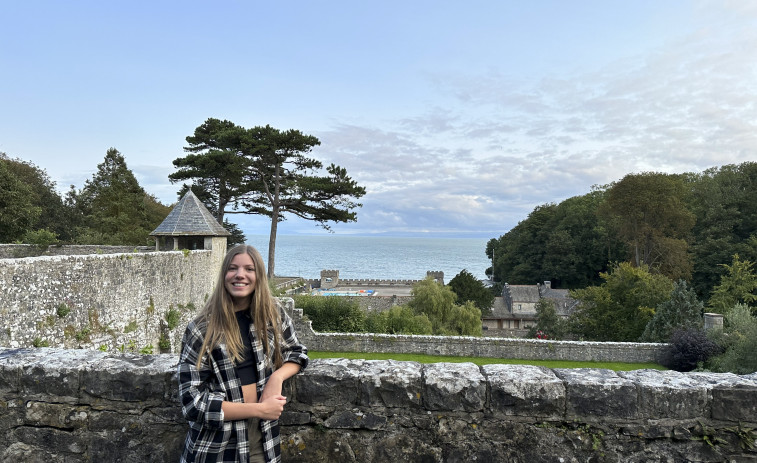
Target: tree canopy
[(113, 207), (263, 170), (620, 308), (469, 288)]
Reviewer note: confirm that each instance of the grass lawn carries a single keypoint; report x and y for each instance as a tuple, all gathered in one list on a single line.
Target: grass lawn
[(422, 358)]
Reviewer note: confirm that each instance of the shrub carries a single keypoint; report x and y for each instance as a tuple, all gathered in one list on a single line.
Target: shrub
[(173, 317), (738, 342), (402, 320), (689, 347), (332, 313)]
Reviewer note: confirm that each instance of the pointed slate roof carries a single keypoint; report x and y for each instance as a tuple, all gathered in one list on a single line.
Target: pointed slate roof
[(190, 218)]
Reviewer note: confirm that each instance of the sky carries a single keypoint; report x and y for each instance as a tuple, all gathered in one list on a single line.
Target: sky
[(459, 118)]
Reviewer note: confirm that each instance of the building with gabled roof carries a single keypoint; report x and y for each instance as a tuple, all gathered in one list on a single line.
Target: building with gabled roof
[(190, 225), (515, 312)]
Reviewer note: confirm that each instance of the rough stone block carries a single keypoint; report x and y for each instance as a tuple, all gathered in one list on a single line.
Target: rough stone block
[(454, 387), (737, 402), (131, 377), (525, 390), (61, 416), (599, 394), (329, 382), (668, 394), (391, 384), (355, 419)]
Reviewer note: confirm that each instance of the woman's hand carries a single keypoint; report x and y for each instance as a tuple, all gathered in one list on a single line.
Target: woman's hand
[(271, 407)]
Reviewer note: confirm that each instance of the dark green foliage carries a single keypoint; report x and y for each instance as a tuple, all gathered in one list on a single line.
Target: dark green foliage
[(20, 208), (332, 314), (547, 320), (469, 288), (682, 311), (113, 208), (236, 237), (738, 342), (723, 201), (737, 286), (620, 308), (399, 320), (647, 212), (566, 243), (689, 347)]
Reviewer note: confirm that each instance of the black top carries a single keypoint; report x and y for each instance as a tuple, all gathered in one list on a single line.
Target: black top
[(246, 370)]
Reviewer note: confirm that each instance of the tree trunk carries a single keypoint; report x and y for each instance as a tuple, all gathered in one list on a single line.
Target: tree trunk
[(272, 242)]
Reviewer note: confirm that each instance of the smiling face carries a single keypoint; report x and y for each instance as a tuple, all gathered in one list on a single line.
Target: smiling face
[(240, 280)]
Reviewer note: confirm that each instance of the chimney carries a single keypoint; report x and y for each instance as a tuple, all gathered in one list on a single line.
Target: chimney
[(547, 284)]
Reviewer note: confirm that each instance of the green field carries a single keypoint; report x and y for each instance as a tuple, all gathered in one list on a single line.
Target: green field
[(422, 358)]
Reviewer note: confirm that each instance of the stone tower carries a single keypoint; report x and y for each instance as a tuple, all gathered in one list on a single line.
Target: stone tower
[(190, 225)]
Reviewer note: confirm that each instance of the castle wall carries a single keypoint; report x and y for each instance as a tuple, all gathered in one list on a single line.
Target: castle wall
[(114, 302), (77, 405)]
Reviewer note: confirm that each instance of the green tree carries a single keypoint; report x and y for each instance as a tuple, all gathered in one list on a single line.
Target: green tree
[(114, 208), (683, 311), (567, 243), (284, 181), (469, 288), (266, 171), (400, 319), (54, 216), (18, 211), (465, 320), (620, 308), (649, 213), (737, 286), (217, 165), (738, 341), (437, 302), (547, 320)]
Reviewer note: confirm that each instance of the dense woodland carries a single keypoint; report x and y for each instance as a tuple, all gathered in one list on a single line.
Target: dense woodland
[(111, 208), (645, 257), (683, 226)]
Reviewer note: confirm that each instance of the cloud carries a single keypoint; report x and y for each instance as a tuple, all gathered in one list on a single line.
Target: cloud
[(503, 146)]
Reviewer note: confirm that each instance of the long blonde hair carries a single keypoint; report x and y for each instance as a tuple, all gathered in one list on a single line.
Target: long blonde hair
[(222, 327)]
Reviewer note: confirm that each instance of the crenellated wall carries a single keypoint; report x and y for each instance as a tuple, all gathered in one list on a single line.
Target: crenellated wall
[(77, 405)]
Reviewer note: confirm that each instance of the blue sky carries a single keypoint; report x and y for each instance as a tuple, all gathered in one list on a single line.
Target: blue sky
[(458, 117)]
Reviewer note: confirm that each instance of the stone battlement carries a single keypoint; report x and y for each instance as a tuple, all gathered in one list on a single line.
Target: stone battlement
[(76, 405)]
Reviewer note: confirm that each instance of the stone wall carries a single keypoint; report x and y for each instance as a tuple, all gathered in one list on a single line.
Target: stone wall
[(114, 302), (76, 405), (470, 346), (16, 251)]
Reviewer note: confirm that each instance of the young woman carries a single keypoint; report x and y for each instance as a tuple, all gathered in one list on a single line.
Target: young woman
[(235, 356)]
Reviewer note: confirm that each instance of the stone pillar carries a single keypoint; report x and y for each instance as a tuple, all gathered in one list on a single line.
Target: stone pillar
[(713, 321)]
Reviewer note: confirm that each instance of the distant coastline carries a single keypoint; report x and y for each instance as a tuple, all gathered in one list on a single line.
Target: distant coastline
[(379, 257)]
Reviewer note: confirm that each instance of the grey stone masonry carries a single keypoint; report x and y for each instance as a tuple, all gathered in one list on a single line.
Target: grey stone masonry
[(78, 405)]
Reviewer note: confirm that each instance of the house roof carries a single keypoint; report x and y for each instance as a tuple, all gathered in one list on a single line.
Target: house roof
[(190, 218), (524, 293)]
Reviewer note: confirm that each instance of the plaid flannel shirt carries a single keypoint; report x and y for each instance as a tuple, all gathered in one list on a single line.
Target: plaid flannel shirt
[(202, 391)]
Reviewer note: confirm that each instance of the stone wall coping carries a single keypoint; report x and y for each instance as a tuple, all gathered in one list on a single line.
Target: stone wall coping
[(64, 257), (487, 339)]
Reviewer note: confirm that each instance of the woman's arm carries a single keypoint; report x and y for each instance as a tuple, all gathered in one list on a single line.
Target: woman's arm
[(276, 380), (269, 408)]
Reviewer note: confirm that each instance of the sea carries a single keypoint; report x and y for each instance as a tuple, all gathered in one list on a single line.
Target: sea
[(375, 257)]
